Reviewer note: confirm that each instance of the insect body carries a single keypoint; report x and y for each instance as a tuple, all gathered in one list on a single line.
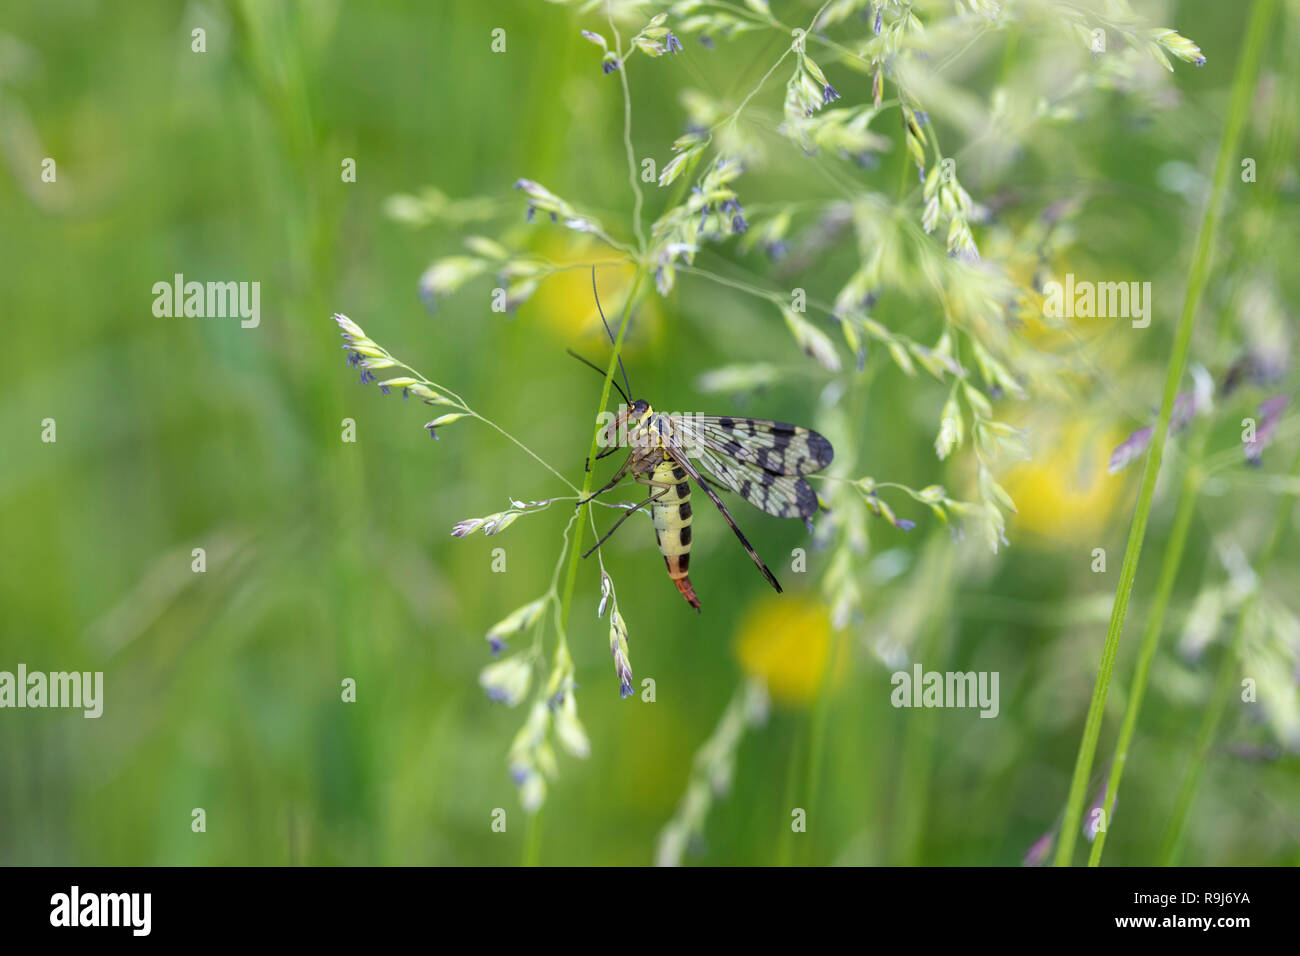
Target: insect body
[(672, 515), (762, 461)]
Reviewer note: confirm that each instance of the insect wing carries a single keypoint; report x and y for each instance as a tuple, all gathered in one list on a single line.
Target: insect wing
[(778, 447), (759, 460), (681, 457)]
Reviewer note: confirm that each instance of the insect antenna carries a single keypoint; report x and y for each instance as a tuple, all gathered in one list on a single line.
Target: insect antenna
[(608, 330), (601, 372)]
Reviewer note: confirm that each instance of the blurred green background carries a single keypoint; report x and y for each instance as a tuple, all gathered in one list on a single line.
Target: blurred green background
[(328, 560)]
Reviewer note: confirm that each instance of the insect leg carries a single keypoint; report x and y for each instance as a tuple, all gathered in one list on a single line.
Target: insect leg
[(638, 507), (618, 476)]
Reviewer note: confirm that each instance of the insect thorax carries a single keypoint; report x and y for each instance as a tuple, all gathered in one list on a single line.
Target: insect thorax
[(650, 431)]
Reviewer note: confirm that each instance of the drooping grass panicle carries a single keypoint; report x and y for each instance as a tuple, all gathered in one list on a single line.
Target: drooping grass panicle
[(711, 772)]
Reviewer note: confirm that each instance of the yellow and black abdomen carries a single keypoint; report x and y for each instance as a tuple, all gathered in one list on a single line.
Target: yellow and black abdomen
[(672, 520)]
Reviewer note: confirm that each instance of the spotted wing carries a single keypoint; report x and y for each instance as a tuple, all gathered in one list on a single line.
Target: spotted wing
[(762, 461), (679, 454)]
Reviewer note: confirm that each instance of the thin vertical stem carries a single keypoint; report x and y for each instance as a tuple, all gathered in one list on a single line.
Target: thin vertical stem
[(837, 644), (637, 199), (571, 575), (533, 839), (1187, 497), (532, 845), (786, 852), (820, 716), (918, 743), (1198, 275)]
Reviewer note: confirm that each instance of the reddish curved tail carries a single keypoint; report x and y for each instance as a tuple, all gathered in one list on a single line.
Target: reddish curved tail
[(677, 565), (688, 591)]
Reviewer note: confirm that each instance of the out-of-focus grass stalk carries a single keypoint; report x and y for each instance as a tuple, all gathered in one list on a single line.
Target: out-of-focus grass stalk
[(1187, 497), (1256, 30), (1223, 683), (820, 716), (786, 855), (533, 839), (918, 743), (838, 643)]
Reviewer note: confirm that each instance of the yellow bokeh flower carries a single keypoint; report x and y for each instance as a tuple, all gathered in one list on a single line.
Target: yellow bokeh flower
[(787, 641), (1064, 494), (565, 307)]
